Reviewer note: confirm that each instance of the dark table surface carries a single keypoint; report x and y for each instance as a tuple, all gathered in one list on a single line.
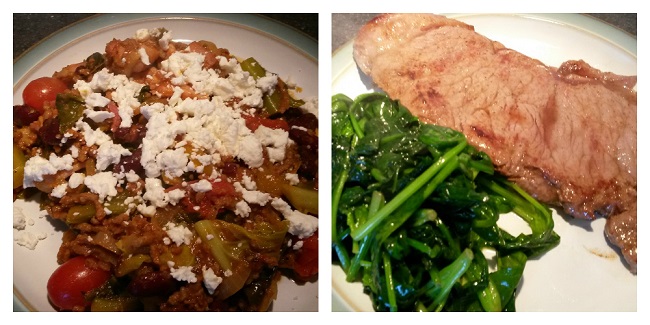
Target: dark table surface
[(344, 26), (30, 29)]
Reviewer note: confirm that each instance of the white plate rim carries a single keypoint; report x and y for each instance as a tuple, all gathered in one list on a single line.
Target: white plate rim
[(48, 48), (342, 60)]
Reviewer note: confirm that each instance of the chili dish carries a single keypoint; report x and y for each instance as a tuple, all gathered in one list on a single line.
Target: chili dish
[(187, 177)]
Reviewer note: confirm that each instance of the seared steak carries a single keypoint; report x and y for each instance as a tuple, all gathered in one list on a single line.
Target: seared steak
[(566, 135)]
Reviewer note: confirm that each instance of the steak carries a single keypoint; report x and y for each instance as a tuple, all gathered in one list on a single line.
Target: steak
[(566, 135)]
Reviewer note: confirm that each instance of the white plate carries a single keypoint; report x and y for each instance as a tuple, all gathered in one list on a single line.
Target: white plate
[(277, 47), (584, 273)]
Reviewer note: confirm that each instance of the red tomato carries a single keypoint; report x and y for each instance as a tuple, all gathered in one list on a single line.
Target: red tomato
[(41, 90), (70, 281), (253, 122), (306, 264)]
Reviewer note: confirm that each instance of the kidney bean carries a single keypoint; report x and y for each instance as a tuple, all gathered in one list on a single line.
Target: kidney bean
[(131, 162), (149, 282), (24, 115), (49, 133)]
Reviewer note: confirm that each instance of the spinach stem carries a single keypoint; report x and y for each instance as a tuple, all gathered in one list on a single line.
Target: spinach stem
[(409, 190), (341, 251), (376, 202), (414, 202), (390, 286), (448, 277), (490, 298)]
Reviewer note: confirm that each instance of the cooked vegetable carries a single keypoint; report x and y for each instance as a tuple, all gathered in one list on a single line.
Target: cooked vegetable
[(115, 304), (277, 101), (70, 281), (414, 208), (70, 108), (19, 166), (95, 62), (131, 263), (253, 67), (304, 199), (80, 213), (233, 247)]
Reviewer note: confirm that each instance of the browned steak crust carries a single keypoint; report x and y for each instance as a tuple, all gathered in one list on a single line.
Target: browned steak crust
[(567, 135)]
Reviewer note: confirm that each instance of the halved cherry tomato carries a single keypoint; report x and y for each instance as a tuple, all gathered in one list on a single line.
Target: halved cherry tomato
[(41, 90), (71, 281)]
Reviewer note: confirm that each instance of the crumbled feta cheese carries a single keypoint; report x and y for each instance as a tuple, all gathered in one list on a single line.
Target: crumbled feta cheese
[(310, 106), (182, 273), (175, 196), (144, 57), (202, 186), (292, 178), (210, 280), (142, 34), (242, 209), (267, 83), (146, 210), (74, 151), (19, 219), (178, 233), (59, 190), (164, 40), (131, 176), (76, 179), (275, 141), (249, 184), (172, 162), (29, 239), (253, 197), (110, 153), (103, 184), (96, 100), (155, 192), (124, 94), (300, 224), (92, 136), (36, 167), (98, 116)]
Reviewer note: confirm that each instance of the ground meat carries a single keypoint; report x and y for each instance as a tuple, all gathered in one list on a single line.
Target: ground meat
[(59, 210), (191, 297)]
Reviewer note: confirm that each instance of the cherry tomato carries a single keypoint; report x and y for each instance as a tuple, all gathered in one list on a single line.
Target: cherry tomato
[(307, 258), (70, 281), (41, 90)]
